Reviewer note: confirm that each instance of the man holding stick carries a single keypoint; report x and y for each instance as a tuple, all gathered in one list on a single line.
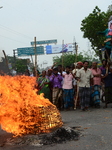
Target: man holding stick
[(77, 100)]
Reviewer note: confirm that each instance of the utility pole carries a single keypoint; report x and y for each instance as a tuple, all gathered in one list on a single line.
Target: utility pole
[(35, 50), (14, 55), (74, 45), (62, 52), (76, 51), (75, 48)]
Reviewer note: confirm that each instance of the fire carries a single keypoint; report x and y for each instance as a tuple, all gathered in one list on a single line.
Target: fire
[(22, 111)]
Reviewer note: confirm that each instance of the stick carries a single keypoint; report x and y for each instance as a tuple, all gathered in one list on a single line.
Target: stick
[(77, 93), (76, 46)]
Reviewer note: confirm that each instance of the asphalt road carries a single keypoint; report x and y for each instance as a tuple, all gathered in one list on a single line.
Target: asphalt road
[(96, 126)]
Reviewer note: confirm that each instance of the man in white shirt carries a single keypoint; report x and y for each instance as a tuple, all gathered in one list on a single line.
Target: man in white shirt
[(76, 99), (85, 78)]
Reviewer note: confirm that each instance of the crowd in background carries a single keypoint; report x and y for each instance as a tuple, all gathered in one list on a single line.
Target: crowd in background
[(77, 86)]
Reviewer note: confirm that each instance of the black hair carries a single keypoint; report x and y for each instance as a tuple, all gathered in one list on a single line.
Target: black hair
[(86, 62), (59, 65), (95, 62), (43, 71), (104, 60), (55, 69)]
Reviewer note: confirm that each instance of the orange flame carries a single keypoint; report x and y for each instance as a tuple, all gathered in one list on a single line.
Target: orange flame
[(22, 111)]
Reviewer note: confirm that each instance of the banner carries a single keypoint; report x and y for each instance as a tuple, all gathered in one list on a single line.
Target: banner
[(110, 27), (53, 49)]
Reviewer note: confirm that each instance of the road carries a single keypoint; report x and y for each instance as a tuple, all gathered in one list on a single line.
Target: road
[(96, 126)]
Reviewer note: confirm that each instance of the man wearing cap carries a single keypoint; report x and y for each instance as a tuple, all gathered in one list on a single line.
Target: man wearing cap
[(78, 66)]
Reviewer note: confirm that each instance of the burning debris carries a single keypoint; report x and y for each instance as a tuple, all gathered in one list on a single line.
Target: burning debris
[(60, 135), (22, 111)]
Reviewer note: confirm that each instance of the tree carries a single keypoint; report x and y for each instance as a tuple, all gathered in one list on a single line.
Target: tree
[(69, 59), (21, 65), (92, 24)]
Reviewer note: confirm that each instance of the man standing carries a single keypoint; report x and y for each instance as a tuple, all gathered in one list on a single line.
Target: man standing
[(76, 98), (56, 80), (78, 67), (68, 89), (85, 78)]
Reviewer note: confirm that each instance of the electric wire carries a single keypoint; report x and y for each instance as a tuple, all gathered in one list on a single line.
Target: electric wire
[(14, 32), (13, 39)]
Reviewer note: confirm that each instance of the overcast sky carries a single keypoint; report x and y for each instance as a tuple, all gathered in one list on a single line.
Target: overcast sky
[(22, 20)]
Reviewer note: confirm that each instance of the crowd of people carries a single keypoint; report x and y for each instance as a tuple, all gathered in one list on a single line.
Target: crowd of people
[(79, 86)]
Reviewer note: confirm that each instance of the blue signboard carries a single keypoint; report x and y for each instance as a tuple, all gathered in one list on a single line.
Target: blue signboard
[(26, 51), (48, 49), (44, 42)]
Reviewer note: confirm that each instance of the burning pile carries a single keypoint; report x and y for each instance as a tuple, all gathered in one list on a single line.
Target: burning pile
[(22, 111)]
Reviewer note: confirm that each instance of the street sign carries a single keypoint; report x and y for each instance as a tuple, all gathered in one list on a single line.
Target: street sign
[(26, 51), (44, 42)]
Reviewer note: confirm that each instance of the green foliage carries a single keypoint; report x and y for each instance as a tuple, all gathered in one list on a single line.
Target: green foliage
[(21, 65), (92, 24), (69, 59)]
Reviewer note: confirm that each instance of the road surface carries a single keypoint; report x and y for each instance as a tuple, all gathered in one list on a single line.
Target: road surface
[(96, 126)]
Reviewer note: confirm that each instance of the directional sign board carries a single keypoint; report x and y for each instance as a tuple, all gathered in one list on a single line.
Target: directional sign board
[(26, 51), (44, 42)]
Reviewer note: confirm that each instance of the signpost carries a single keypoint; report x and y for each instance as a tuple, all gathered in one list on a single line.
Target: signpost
[(44, 42), (28, 51)]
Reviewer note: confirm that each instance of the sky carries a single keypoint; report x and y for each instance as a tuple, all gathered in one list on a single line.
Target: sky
[(22, 20)]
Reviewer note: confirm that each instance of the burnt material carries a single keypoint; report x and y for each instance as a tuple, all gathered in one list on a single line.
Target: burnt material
[(60, 135)]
